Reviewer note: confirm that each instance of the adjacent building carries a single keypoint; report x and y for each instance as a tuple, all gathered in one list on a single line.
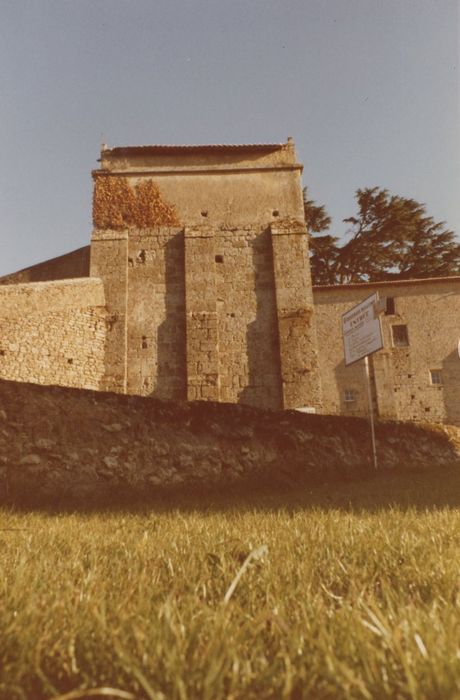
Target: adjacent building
[(416, 376)]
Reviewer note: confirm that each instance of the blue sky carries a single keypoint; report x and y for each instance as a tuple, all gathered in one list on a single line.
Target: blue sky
[(369, 89)]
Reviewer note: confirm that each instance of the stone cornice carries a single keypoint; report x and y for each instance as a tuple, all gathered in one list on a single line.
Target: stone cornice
[(195, 170)]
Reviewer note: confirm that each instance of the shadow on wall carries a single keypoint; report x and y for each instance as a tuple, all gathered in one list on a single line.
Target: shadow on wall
[(351, 389), (451, 381), (262, 340), (171, 378)]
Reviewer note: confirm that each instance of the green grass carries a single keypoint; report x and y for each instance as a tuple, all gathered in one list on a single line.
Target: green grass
[(356, 596)]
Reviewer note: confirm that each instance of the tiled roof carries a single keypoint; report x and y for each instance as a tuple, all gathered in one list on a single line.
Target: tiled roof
[(157, 148), (362, 285)]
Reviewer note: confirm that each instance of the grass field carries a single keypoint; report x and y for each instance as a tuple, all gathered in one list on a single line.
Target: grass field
[(351, 591)]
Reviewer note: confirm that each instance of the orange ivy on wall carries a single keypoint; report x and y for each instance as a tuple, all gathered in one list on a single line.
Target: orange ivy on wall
[(117, 205)]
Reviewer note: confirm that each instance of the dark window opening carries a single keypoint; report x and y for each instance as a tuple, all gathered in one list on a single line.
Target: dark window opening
[(400, 336), (204, 213), (390, 306), (70, 361), (275, 212), (219, 258), (144, 342)]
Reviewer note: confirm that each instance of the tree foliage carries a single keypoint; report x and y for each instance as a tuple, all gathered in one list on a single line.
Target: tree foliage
[(323, 248), (316, 217), (390, 237)]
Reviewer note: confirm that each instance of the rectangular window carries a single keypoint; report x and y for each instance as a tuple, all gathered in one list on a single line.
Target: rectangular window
[(349, 395), (400, 336), (390, 306), (436, 377)]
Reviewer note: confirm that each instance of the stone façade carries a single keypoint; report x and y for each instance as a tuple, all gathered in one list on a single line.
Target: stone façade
[(202, 254), (197, 286), (401, 373)]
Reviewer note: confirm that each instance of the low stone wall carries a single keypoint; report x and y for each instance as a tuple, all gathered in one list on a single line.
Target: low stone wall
[(53, 332), (60, 443)]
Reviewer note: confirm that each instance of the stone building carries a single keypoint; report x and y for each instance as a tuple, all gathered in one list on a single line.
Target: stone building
[(197, 286), (416, 376), (201, 256)]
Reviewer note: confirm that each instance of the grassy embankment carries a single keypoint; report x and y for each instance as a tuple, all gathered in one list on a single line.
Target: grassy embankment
[(353, 593)]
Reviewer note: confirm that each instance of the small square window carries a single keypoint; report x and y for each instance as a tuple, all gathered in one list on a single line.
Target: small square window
[(349, 395), (219, 258), (436, 377), (400, 336)]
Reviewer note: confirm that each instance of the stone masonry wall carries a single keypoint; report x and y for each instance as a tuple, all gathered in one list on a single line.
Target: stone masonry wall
[(109, 262), (204, 257), (249, 362), (195, 312), (243, 299), (201, 315), (296, 324), (131, 445), (156, 313), (400, 374), (53, 332)]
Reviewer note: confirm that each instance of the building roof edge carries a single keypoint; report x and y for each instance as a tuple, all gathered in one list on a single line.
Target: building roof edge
[(172, 148), (364, 285)]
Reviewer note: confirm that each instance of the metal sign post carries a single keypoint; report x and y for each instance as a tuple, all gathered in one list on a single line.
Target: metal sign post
[(371, 411), (362, 336)]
